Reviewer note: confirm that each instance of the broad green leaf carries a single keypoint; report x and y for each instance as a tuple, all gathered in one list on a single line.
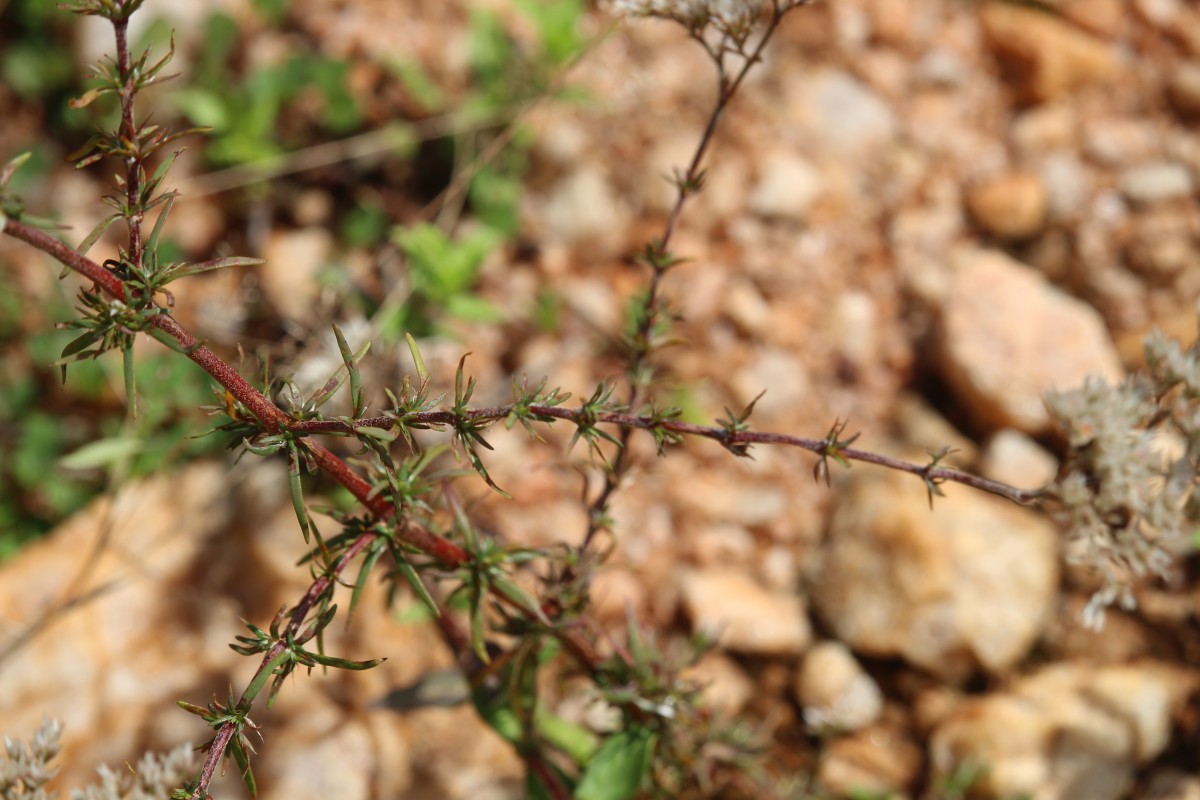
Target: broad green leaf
[(103, 453), (577, 742), (472, 308), (619, 766)]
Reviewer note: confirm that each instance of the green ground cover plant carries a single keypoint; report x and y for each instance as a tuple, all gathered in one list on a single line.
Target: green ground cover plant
[(1122, 499)]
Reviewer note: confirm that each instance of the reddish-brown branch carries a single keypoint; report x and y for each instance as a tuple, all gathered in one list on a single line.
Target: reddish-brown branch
[(717, 434)]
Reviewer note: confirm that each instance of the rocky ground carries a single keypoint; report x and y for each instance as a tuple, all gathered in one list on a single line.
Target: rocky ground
[(918, 216)]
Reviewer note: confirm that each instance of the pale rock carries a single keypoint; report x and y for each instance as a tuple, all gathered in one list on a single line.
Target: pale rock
[(744, 616), (852, 26), (484, 766), (1011, 205), (1053, 255), (1044, 57), (876, 761), (846, 115), (746, 306), (779, 568), (1183, 88), (720, 496), (1068, 731), (724, 685), (1120, 142), (1156, 182), (196, 224), (942, 68), (1123, 639), (289, 276), (583, 210), (615, 592), (966, 585), (561, 139), (1164, 242), (787, 187), (594, 300), (888, 72), (781, 372), (1183, 146), (321, 755), (1104, 18), (1053, 126), (895, 22), (835, 692), (1012, 457), (722, 543), (919, 238), (855, 327), (923, 428), (1007, 336), (1068, 184), (1160, 13)]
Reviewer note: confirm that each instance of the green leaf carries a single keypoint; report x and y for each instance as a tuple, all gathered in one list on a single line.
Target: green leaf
[(160, 223), (243, 762), (379, 434), (157, 177), (373, 553), (297, 491), (130, 378), (619, 766), (96, 233), (414, 580), (344, 663), (576, 741), (204, 107), (471, 308), (478, 628), (356, 393), (184, 270), (419, 362), (11, 166), (518, 595)]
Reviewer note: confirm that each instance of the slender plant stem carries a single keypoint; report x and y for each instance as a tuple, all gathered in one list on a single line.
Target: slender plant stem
[(686, 186)]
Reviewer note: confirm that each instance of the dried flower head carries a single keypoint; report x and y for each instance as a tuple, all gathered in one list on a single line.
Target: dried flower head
[(734, 18), (25, 771), (1128, 487)]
